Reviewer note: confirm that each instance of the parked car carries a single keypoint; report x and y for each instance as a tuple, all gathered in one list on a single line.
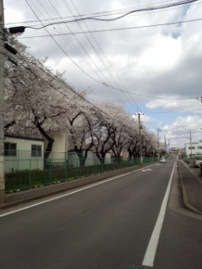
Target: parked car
[(163, 160), (197, 160)]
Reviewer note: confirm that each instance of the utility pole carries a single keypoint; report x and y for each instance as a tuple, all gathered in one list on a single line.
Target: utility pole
[(3, 45), (2, 179), (139, 114), (191, 143), (165, 143), (158, 130)]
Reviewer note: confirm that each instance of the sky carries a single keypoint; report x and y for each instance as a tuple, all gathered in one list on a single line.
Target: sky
[(148, 61)]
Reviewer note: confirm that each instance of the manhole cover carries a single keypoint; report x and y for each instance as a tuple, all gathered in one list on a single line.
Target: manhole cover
[(129, 266)]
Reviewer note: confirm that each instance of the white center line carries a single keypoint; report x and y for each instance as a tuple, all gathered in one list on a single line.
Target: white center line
[(153, 243)]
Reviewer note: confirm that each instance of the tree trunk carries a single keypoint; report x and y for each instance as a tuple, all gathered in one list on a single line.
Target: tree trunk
[(48, 149), (48, 138)]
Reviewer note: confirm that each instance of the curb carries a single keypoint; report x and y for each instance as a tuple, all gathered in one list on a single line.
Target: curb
[(43, 192), (185, 201)]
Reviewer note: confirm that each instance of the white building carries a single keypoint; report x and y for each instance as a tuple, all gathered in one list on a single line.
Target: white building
[(59, 150), (193, 148), (23, 153)]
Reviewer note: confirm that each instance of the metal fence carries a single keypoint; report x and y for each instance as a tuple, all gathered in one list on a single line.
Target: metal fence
[(22, 174)]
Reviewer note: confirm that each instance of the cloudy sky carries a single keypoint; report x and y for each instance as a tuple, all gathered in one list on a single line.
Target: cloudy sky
[(148, 61)]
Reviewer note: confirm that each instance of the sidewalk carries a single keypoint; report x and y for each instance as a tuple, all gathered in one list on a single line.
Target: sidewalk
[(191, 184)]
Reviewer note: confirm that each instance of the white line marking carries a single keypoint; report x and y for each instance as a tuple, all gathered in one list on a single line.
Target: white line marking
[(67, 194), (146, 170), (153, 243)]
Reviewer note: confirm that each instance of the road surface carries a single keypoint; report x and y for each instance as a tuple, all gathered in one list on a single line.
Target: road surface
[(121, 221)]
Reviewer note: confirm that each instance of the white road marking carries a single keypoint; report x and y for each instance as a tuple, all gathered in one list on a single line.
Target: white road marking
[(146, 170), (67, 194), (153, 243)]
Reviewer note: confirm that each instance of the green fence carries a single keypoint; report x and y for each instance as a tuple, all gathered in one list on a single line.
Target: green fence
[(56, 171)]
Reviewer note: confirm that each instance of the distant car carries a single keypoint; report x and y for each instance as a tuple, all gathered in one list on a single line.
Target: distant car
[(197, 160), (163, 160)]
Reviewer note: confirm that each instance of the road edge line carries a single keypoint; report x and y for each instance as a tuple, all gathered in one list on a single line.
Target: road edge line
[(150, 253)]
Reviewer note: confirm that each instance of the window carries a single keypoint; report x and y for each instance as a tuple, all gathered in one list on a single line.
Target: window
[(36, 151), (199, 147), (191, 147), (10, 149)]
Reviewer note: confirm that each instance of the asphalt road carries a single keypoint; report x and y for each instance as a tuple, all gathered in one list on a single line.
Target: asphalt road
[(105, 226)]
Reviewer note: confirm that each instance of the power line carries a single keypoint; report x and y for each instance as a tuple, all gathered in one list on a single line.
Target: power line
[(103, 59), (59, 45), (101, 82), (100, 71), (93, 78), (179, 3), (118, 29), (97, 14), (24, 64)]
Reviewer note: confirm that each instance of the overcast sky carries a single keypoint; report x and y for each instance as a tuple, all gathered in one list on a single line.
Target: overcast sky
[(148, 61)]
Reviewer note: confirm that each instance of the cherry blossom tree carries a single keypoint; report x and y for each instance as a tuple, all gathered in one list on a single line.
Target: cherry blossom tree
[(39, 103), (36, 100), (80, 125), (111, 133)]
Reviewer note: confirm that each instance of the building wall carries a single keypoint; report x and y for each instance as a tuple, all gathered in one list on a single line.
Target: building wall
[(24, 159), (193, 148), (58, 153)]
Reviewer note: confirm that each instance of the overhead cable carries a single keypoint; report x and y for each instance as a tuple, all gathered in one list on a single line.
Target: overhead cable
[(165, 6)]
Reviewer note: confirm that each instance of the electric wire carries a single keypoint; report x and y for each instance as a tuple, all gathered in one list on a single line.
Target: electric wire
[(70, 41), (150, 96), (162, 97), (99, 70), (119, 29), (77, 65), (116, 18), (84, 100), (64, 51), (48, 73), (93, 78), (100, 54), (97, 14)]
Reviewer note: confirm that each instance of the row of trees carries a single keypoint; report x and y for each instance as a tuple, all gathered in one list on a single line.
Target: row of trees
[(38, 103)]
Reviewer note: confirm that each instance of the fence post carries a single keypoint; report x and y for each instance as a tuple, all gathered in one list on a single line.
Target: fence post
[(66, 165), (30, 174)]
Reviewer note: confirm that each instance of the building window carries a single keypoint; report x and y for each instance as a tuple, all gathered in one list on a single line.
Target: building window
[(191, 147), (36, 151), (10, 149), (199, 147)]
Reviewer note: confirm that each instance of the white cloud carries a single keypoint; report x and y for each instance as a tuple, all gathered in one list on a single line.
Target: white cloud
[(162, 55), (12, 15), (179, 131), (163, 61), (177, 104)]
